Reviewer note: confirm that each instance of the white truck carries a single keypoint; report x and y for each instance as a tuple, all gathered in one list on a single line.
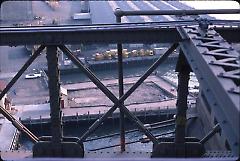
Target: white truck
[(81, 16)]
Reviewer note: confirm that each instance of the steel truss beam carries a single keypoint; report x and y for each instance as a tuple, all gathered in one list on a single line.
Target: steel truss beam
[(120, 13), (17, 124), (228, 33), (216, 65), (110, 95), (122, 33), (116, 101)]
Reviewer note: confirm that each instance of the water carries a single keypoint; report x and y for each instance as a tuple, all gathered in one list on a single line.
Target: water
[(165, 70), (113, 74)]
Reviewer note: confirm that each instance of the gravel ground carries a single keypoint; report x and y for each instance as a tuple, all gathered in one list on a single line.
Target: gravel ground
[(147, 92)]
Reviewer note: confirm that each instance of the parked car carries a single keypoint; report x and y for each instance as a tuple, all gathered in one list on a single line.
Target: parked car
[(32, 76), (37, 17)]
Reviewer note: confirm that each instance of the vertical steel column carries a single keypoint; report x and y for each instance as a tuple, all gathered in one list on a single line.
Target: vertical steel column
[(121, 92), (54, 92), (182, 94)]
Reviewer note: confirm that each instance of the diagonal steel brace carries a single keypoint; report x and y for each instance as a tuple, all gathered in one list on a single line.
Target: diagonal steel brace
[(17, 124), (109, 94)]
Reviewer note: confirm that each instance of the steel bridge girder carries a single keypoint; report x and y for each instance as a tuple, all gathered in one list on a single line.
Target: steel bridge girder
[(162, 32), (225, 104)]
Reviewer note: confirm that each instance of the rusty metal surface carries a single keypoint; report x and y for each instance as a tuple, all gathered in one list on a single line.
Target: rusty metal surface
[(121, 33), (210, 57)]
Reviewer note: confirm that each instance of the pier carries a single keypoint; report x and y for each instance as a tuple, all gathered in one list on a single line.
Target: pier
[(34, 114)]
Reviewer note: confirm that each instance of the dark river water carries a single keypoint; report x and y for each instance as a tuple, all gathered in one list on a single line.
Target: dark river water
[(75, 77)]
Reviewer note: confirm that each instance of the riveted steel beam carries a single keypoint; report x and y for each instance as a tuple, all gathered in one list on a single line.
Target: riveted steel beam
[(182, 96), (54, 94), (110, 95), (56, 35), (121, 91), (176, 12), (4, 112), (123, 33), (22, 70), (202, 55)]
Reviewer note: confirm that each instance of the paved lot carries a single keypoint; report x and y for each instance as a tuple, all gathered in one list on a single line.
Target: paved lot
[(91, 103), (151, 94)]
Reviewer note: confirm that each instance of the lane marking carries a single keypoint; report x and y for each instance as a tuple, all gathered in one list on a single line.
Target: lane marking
[(114, 5), (155, 8), (169, 5), (134, 7)]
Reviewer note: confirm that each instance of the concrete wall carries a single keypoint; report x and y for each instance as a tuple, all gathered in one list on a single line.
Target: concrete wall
[(16, 11)]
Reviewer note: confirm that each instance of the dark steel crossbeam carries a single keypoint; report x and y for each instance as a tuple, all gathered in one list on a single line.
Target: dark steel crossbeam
[(140, 81), (217, 89), (233, 74), (176, 12), (87, 34), (149, 71), (228, 62), (122, 33), (98, 83), (89, 74), (22, 70), (216, 129), (109, 94), (18, 125), (220, 54), (5, 113)]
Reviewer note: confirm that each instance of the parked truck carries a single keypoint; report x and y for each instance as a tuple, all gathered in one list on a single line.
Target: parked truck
[(81, 16)]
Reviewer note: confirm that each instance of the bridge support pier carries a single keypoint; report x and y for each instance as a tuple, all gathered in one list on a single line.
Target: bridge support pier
[(180, 147)]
